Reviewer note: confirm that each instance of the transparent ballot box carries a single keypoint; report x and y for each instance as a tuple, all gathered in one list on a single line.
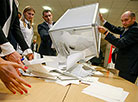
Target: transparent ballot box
[(76, 31)]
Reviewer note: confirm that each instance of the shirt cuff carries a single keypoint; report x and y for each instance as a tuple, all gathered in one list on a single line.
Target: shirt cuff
[(26, 52), (7, 49), (104, 22)]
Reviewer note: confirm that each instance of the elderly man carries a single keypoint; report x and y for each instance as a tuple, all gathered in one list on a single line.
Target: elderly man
[(127, 56)]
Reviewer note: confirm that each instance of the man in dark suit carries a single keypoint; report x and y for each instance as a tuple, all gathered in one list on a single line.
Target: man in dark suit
[(9, 25), (46, 42), (127, 55), (34, 46)]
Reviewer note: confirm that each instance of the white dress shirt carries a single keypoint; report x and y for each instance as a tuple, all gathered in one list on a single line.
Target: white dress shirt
[(27, 34)]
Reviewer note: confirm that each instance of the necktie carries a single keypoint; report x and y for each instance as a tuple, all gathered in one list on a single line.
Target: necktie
[(28, 25)]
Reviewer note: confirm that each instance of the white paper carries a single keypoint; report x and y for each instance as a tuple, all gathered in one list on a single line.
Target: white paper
[(37, 55), (67, 82), (34, 61), (98, 73), (78, 71), (106, 92), (89, 79), (73, 59)]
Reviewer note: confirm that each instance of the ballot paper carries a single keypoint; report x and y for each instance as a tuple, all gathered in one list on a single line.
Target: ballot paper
[(106, 92), (35, 68), (79, 72), (73, 59), (67, 82), (89, 79)]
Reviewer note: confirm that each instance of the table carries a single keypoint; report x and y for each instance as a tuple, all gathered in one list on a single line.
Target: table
[(42, 91)]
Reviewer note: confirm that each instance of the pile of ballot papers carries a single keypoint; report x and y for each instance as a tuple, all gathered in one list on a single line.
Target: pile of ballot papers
[(55, 68)]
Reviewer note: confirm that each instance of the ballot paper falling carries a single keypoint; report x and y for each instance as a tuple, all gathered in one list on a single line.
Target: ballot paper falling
[(72, 33)]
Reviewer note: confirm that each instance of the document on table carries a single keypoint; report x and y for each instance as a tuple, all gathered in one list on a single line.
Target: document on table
[(37, 69), (106, 92)]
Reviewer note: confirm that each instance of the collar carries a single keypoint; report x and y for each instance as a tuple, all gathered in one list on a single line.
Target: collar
[(135, 24), (48, 23), (26, 21)]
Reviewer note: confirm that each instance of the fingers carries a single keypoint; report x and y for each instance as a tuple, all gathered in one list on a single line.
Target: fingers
[(16, 65), (19, 79), (10, 88), (101, 17), (18, 86)]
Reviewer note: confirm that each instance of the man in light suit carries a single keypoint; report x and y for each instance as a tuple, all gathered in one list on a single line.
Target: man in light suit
[(43, 30), (127, 55), (9, 26)]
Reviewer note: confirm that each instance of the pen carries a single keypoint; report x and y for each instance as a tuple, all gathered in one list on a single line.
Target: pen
[(22, 59)]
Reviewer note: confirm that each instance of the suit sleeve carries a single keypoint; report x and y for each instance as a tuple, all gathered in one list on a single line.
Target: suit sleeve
[(43, 31), (114, 29), (16, 31), (3, 39), (130, 38)]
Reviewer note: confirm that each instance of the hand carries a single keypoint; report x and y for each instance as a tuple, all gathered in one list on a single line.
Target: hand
[(10, 78), (101, 17), (14, 57), (30, 56), (101, 29)]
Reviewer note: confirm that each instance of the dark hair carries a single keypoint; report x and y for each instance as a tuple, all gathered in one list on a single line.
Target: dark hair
[(19, 13), (46, 11), (132, 15)]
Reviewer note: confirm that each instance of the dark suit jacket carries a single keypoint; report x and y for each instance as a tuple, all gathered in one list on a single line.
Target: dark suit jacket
[(46, 42), (32, 47), (14, 26), (127, 56)]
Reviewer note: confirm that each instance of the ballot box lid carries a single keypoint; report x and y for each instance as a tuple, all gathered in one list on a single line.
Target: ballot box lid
[(77, 17)]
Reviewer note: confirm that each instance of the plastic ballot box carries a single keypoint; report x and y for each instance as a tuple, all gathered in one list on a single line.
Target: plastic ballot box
[(76, 31)]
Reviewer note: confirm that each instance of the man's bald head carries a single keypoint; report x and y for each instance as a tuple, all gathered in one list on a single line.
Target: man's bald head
[(128, 18)]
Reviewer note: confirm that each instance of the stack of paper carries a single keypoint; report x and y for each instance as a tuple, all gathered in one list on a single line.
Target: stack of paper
[(106, 92)]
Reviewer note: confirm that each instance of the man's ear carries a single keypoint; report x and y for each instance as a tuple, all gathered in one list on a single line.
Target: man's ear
[(134, 19)]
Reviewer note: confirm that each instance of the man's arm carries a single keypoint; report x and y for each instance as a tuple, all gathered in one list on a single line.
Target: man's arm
[(43, 31), (129, 39), (112, 28)]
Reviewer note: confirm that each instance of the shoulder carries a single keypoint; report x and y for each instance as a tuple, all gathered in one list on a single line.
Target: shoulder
[(42, 24), (21, 24)]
